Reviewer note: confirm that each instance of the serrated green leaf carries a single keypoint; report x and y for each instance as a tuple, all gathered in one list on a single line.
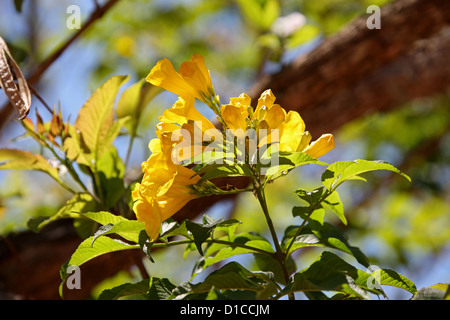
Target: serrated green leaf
[(95, 121), (342, 171), (12, 159)]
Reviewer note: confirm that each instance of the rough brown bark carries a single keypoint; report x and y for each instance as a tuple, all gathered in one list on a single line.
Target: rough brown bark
[(355, 72)]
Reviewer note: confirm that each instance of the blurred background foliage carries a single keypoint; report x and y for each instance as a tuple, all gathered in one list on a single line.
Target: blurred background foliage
[(401, 226)]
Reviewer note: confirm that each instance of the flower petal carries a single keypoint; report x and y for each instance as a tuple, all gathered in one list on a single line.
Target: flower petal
[(266, 99), (321, 146), (291, 131), (164, 75), (233, 117)]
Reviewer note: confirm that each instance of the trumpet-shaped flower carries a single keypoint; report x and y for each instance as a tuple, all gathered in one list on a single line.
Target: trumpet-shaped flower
[(192, 79), (160, 195)]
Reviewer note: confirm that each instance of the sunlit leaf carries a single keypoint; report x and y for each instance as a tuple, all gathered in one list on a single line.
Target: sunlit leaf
[(95, 121), (386, 277), (12, 159), (132, 103), (127, 229), (86, 252), (342, 171), (333, 201)]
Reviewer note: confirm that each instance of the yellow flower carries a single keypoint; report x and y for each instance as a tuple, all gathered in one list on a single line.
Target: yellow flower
[(193, 78), (159, 196), (290, 127), (187, 128)]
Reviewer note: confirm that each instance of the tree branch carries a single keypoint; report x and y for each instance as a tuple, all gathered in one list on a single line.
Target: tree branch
[(35, 76)]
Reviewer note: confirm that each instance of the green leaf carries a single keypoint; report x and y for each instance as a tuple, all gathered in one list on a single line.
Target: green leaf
[(306, 33), (127, 229), (386, 277), (86, 252), (270, 264), (233, 276), (286, 162), (327, 273), (312, 197), (440, 291), (126, 289), (260, 15), (11, 159), (271, 12), (172, 228), (216, 252), (151, 289), (145, 244), (104, 217), (132, 103), (326, 235), (333, 201), (221, 170), (317, 216), (201, 232), (95, 121), (80, 203), (111, 171), (340, 172)]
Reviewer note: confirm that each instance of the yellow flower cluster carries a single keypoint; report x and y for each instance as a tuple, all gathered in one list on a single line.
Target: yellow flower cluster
[(164, 188)]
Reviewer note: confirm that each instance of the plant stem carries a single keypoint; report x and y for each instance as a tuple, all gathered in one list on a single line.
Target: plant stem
[(280, 256), (312, 209)]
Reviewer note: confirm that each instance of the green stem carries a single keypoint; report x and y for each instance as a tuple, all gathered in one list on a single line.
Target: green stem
[(300, 228), (279, 254)]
